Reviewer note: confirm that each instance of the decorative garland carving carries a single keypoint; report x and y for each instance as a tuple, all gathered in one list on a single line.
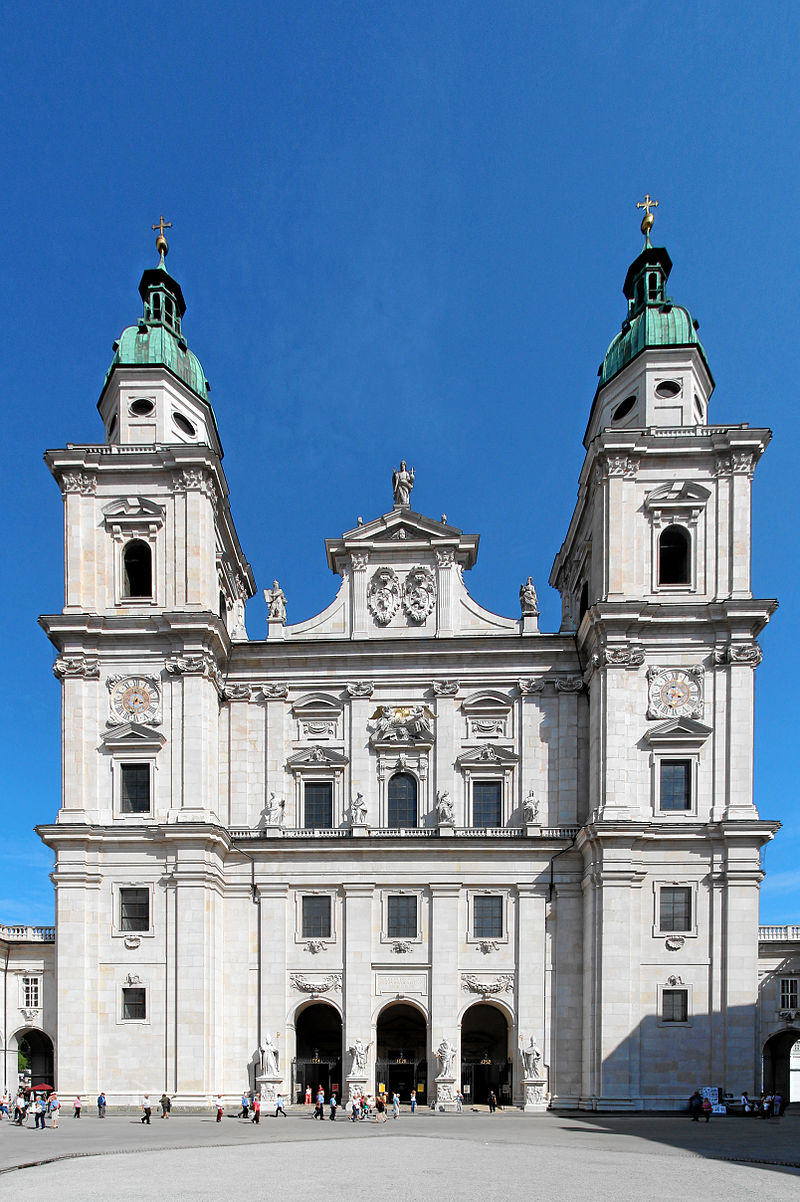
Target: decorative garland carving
[(400, 946), (87, 666), (503, 983), (278, 691), (333, 980), (445, 688), (748, 654), (619, 657), (361, 688), (568, 684)]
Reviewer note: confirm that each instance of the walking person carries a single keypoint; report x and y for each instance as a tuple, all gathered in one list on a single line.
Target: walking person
[(459, 1101), (166, 1105), (492, 1101), (256, 1110), (395, 1105), (76, 1107), (777, 1105), (101, 1105), (380, 1109), (695, 1106), (707, 1108), (413, 1100), (147, 1109), (220, 1106), (38, 1112), (55, 1106), (245, 1106), (319, 1112), (333, 1104), (279, 1106)]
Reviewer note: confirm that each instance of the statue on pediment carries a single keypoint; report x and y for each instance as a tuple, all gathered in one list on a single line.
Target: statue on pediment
[(528, 599), (276, 603), (402, 483)]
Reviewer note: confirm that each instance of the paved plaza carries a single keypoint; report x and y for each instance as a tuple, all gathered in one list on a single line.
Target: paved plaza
[(553, 1157)]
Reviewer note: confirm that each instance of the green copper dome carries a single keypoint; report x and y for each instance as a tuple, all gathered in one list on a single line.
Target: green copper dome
[(157, 337), (653, 319)]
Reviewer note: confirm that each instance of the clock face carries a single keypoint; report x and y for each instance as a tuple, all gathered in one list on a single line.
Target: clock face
[(674, 693), (135, 699)]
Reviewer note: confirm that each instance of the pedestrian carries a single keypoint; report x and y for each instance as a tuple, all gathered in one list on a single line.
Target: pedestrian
[(768, 1106), (308, 1096), (76, 1107), (219, 1104), (695, 1106), (413, 1100), (147, 1109), (55, 1106), (459, 1101), (777, 1105), (746, 1107), (707, 1108), (5, 1102), (38, 1112), (166, 1105), (279, 1105), (492, 1101), (333, 1104), (256, 1109), (101, 1105), (355, 1109), (319, 1112), (380, 1109), (245, 1106), (19, 1108), (395, 1105)]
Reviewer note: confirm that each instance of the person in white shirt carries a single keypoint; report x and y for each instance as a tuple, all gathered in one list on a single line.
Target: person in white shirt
[(147, 1109), (220, 1106)]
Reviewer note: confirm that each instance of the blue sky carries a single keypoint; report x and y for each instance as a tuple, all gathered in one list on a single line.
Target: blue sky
[(402, 231)]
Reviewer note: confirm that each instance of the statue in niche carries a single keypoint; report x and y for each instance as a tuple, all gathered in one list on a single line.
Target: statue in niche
[(276, 603), (530, 807), (446, 1053), (358, 810), (268, 1056), (359, 1054), (444, 808), (528, 599), (402, 483), (275, 810), (532, 1058)]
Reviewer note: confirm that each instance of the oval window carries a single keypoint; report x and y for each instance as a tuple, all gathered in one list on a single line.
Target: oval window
[(623, 409), (668, 388), (183, 424), (142, 407)]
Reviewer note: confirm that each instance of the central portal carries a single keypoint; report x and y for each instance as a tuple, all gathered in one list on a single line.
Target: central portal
[(485, 1063), (402, 1049), (318, 1065)]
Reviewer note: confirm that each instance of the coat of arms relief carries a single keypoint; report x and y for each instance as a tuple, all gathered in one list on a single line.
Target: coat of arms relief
[(386, 593)]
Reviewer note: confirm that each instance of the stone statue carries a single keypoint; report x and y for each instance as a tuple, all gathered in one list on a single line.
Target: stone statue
[(276, 602), (532, 1058), (444, 808), (528, 599), (275, 810), (238, 629), (359, 1053), (358, 809), (268, 1054), (530, 808), (446, 1053), (402, 483)]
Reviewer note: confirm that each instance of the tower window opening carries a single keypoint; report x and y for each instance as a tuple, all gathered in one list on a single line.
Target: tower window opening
[(623, 409), (155, 305), (673, 556), (653, 286), (583, 603), (169, 310), (223, 607), (639, 292), (137, 563)]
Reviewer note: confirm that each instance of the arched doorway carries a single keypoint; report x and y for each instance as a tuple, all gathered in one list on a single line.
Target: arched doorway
[(485, 1063), (35, 1057), (776, 1069), (318, 1056), (401, 1043)]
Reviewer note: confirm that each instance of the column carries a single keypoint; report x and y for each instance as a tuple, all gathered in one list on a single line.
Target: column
[(445, 1000), (445, 748), (530, 990), (273, 899), (358, 595), (445, 618), (357, 991)]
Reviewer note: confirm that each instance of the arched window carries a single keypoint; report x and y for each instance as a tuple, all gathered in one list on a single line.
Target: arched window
[(673, 556), (402, 800), (137, 569)]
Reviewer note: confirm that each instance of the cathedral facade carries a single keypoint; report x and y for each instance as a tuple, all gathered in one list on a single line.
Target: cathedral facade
[(409, 844)]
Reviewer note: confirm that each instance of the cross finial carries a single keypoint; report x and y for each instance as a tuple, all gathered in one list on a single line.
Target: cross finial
[(161, 242), (647, 221)]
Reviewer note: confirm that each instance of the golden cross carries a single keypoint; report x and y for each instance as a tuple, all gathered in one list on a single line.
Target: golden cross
[(167, 225), (645, 204)]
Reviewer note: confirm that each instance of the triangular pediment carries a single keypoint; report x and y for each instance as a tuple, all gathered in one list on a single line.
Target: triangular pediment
[(488, 755), (403, 529), (131, 737), (678, 731), (316, 757)]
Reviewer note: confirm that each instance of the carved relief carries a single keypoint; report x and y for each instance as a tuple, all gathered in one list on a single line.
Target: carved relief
[(401, 946), (237, 692), (361, 688), (84, 483), (383, 595), (568, 684), (419, 594), (530, 686), (319, 728), (674, 943), (332, 981), (503, 983), (132, 942), (314, 946), (409, 724), (278, 691), (195, 665), (446, 556), (445, 688), (193, 479), (749, 654), (359, 560), (619, 657), (87, 666)]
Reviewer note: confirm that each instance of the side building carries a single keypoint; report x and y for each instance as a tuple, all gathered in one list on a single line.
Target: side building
[(410, 843)]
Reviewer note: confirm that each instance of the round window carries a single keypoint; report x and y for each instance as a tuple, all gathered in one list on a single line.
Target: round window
[(141, 407), (623, 409), (668, 388), (183, 424)]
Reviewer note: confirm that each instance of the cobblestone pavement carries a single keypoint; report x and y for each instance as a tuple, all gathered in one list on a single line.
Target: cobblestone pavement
[(552, 1157)]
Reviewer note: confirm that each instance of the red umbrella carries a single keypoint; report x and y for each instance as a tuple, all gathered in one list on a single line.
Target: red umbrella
[(40, 1089)]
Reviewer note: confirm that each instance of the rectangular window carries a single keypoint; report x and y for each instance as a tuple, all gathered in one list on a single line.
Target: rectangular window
[(134, 1002), (675, 908), (135, 788), (134, 909), (401, 917), (316, 918), (675, 1005), (487, 803), (676, 785), (789, 993), (487, 917), (318, 812), (30, 993)]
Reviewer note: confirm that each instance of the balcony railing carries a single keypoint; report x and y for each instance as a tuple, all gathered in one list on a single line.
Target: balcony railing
[(29, 934), (779, 934), (398, 832)]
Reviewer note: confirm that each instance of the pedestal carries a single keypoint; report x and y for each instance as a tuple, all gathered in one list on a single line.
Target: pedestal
[(269, 1088), (359, 830), (533, 830), (445, 1093), (536, 1095), (446, 831), (356, 1088)]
